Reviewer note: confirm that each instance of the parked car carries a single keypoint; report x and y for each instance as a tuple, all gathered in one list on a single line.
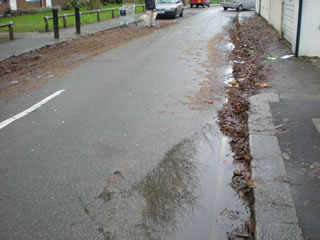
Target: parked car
[(238, 4), (169, 8), (199, 3)]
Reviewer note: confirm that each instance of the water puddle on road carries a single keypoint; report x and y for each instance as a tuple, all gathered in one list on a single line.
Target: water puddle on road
[(188, 195)]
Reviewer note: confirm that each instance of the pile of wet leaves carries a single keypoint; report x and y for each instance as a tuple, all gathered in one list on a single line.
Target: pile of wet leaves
[(250, 39)]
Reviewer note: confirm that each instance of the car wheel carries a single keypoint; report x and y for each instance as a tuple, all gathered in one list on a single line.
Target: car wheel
[(181, 14), (225, 8), (240, 8)]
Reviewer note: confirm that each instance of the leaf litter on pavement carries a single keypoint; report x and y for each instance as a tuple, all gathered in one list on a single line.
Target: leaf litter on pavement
[(250, 39)]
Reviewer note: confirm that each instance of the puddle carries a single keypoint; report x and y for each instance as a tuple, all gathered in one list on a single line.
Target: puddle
[(230, 46), (186, 196), (228, 75)]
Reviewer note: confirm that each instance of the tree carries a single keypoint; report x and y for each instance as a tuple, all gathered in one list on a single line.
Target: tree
[(94, 4)]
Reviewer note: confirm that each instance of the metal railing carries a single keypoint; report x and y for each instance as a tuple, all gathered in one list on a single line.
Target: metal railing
[(64, 16), (10, 28)]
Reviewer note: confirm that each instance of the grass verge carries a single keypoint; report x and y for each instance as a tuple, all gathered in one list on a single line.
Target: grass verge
[(35, 22)]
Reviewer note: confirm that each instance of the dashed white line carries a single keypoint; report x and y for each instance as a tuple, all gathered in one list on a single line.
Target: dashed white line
[(30, 110), (316, 122)]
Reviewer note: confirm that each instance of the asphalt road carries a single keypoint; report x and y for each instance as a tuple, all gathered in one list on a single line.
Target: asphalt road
[(130, 149)]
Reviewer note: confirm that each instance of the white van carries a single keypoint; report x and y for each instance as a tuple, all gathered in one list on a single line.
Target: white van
[(238, 4)]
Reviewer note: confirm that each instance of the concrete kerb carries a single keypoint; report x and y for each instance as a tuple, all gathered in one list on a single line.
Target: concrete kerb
[(274, 208)]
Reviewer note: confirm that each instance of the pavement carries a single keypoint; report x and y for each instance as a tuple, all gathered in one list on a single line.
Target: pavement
[(26, 42), (285, 145)]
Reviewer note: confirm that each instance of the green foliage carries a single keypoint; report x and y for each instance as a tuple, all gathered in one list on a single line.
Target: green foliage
[(75, 3), (94, 4), (7, 11)]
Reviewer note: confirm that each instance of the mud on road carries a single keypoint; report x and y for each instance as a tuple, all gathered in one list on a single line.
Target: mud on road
[(20, 74)]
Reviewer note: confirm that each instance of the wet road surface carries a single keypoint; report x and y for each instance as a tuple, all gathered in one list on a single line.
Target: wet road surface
[(130, 149)]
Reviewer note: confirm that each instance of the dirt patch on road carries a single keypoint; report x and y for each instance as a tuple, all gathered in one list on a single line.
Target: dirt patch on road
[(250, 71), (20, 74)]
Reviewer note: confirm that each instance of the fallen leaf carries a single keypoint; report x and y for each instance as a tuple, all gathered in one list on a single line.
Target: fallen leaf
[(261, 84), (285, 156)]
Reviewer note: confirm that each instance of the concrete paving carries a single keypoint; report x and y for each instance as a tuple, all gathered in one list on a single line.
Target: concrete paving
[(285, 146), (274, 208)]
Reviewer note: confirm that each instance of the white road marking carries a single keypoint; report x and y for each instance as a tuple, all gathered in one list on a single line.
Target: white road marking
[(316, 122), (30, 110)]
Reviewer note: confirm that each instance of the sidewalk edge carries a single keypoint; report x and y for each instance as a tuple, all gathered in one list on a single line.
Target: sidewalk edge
[(274, 208)]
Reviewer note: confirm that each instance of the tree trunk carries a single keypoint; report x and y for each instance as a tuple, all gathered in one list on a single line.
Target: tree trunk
[(94, 4)]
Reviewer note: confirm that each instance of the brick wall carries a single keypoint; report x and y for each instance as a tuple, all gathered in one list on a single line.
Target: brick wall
[(3, 6), (23, 5), (61, 3)]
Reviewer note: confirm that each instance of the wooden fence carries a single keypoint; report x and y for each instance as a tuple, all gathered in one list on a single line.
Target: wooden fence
[(65, 16), (10, 28)]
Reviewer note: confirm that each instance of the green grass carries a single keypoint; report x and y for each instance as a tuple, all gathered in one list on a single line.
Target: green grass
[(35, 23)]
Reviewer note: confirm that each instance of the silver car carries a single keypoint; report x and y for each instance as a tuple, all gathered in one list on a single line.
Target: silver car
[(238, 4), (170, 8)]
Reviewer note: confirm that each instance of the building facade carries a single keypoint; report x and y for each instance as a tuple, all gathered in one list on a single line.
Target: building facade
[(297, 21)]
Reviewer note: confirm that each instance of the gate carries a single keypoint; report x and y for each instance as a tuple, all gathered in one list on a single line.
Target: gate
[(289, 21)]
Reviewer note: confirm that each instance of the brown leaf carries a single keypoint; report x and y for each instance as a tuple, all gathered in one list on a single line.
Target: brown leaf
[(285, 156), (261, 84)]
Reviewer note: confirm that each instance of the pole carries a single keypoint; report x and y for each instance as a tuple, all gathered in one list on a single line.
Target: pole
[(296, 54), (55, 23), (11, 31), (77, 16)]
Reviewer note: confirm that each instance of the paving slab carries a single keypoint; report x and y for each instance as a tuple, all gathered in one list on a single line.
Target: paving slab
[(274, 207)]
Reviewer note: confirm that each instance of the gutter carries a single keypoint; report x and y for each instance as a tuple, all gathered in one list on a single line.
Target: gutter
[(298, 29)]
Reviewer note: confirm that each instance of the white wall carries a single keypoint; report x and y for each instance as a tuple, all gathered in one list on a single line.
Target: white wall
[(275, 18), (13, 5), (310, 29), (48, 3), (265, 9), (257, 6)]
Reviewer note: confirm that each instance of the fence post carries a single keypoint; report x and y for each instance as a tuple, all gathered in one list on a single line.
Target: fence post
[(98, 15), (55, 23), (64, 20), (77, 18), (11, 30), (46, 24), (143, 10), (112, 13)]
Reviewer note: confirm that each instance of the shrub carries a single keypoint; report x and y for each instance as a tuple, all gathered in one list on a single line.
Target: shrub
[(7, 11)]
